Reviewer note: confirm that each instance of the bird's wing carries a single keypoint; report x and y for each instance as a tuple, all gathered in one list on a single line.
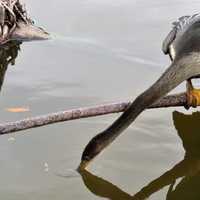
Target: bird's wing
[(179, 27), (168, 40)]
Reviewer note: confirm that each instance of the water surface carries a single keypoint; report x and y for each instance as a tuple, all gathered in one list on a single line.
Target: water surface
[(102, 51)]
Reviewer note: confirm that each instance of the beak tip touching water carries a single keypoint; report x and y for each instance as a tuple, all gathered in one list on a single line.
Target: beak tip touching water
[(82, 165)]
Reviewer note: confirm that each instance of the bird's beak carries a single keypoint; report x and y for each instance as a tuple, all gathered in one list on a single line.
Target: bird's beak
[(83, 165)]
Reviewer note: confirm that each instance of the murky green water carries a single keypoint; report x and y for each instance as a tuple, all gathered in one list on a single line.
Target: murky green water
[(103, 51)]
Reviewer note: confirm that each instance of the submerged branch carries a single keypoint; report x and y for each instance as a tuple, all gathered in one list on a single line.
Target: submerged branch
[(168, 101)]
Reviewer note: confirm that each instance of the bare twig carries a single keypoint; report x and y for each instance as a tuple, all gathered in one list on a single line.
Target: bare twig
[(168, 101), (28, 32)]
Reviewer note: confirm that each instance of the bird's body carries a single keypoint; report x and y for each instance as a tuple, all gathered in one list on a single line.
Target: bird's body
[(183, 46), (184, 36)]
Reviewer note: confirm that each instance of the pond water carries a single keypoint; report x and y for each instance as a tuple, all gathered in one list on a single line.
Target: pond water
[(102, 51)]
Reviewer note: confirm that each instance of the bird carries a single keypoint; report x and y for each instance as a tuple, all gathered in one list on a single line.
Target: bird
[(182, 44)]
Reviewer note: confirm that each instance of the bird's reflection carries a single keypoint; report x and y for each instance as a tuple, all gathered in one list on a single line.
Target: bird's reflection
[(103, 188), (8, 55), (188, 170)]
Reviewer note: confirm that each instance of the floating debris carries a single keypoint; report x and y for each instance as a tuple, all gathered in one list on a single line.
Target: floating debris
[(18, 109), (11, 139), (46, 167)]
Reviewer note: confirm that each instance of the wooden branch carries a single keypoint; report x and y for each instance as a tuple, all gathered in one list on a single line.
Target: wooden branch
[(168, 101), (28, 32)]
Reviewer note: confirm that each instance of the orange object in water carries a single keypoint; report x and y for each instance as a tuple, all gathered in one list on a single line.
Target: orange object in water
[(18, 109)]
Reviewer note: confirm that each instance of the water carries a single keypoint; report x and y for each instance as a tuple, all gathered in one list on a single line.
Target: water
[(102, 51)]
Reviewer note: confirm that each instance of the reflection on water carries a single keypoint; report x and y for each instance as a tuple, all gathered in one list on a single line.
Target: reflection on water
[(103, 188), (8, 55), (188, 169), (106, 54)]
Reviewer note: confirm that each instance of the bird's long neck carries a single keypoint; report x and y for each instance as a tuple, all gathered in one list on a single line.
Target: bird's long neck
[(173, 76), (180, 70)]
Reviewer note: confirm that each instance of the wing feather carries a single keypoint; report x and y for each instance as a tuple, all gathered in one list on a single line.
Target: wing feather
[(168, 40), (179, 27)]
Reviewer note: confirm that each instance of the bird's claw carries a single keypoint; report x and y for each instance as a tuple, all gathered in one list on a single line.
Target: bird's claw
[(192, 96)]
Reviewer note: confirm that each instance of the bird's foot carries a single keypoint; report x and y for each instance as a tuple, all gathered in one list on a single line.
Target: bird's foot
[(192, 96)]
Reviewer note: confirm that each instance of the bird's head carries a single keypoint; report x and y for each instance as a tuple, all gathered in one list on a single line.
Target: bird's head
[(93, 148)]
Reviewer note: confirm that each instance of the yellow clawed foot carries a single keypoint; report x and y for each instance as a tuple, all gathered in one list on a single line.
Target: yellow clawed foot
[(193, 96)]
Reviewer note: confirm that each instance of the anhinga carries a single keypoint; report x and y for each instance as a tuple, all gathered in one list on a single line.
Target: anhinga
[(183, 46)]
